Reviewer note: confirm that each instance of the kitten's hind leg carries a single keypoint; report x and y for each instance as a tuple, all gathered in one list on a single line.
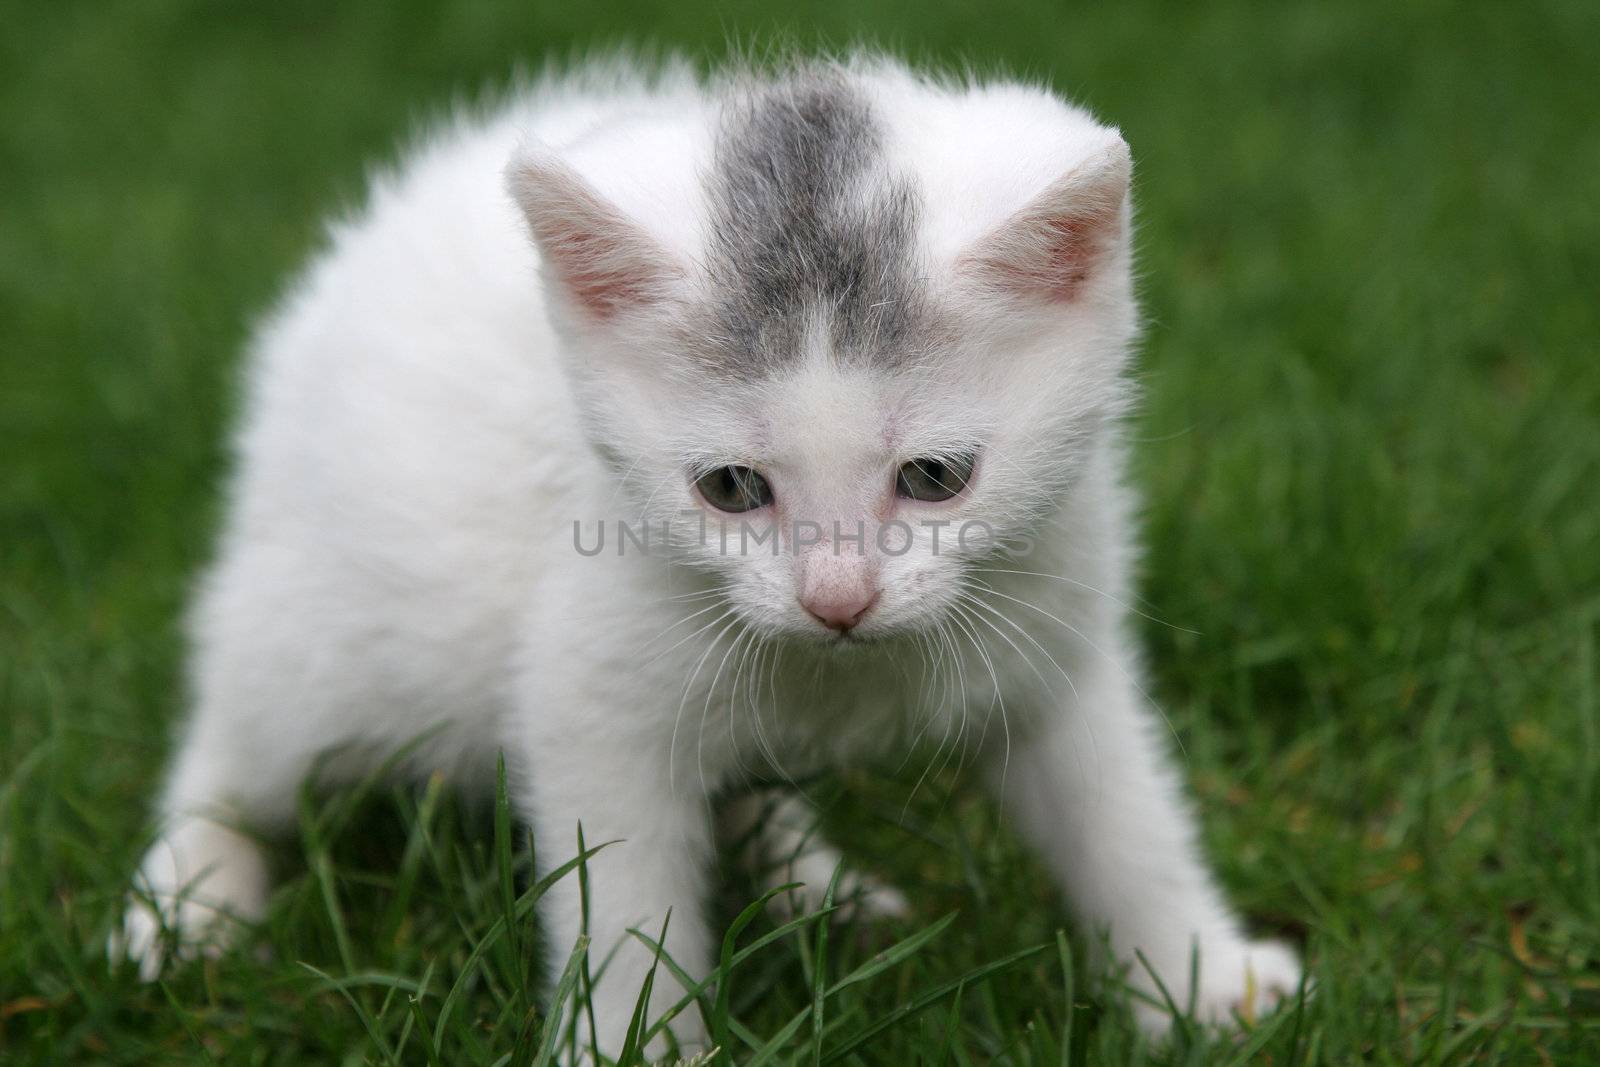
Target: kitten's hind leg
[(777, 841), (195, 888), (205, 879)]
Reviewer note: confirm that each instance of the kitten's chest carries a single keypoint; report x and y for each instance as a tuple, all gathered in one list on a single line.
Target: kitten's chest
[(842, 707)]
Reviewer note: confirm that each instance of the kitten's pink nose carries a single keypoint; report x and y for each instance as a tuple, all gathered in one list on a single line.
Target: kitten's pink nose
[(840, 614), (837, 589), (840, 609)]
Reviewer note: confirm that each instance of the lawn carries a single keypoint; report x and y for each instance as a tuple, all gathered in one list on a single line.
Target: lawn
[(1370, 248)]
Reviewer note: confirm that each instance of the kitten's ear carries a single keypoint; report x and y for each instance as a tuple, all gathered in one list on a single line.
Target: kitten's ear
[(605, 262), (1048, 251)]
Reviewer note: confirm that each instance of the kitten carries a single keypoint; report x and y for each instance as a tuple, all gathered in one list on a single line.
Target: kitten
[(846, 346)]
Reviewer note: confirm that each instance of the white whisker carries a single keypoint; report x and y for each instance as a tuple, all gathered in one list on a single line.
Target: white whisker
[(677, 719), (1089, 588), (1112, 660)]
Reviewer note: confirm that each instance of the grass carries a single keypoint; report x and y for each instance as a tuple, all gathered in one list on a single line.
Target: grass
[(1370, 242)]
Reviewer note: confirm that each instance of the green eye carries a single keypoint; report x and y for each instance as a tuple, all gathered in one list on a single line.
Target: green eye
[(734, 489), (934, 479)]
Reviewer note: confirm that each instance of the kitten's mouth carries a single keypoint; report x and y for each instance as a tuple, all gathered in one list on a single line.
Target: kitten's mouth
[(847, 640)]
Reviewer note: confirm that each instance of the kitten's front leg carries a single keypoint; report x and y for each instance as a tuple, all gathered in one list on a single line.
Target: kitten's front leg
[(617, 788), (1094, 791)]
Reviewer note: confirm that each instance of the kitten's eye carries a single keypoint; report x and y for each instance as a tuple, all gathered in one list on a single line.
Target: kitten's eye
[(934, 479), (734, 489)]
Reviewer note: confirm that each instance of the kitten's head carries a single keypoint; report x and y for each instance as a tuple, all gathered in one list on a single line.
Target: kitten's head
[(848, 333)]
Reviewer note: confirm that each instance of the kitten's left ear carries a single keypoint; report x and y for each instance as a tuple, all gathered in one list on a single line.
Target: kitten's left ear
[(605, 262), (1050, 249)]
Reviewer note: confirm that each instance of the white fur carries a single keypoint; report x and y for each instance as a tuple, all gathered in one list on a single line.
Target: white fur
[(418, 444)]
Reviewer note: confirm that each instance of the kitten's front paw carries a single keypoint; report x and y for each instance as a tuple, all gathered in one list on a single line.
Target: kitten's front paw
[(198, 884), (1247, 979)]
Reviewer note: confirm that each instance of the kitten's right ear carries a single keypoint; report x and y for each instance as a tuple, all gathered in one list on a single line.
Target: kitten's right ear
[(604, 261)]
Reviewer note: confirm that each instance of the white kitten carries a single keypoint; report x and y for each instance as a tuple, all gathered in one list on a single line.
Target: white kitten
[(849, 344)]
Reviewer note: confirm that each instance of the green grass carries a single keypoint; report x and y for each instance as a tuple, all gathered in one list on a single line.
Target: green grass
[(1370, 242)]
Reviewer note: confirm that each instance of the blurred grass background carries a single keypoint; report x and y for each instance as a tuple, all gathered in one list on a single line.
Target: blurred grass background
[(1370, 247)]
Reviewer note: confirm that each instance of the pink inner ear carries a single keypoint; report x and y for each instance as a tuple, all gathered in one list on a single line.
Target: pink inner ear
[(1050, 256), (601, 276), (604, 261), (1050, 249)]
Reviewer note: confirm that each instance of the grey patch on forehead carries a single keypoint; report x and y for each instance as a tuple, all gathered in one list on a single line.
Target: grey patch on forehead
[(805, 228)]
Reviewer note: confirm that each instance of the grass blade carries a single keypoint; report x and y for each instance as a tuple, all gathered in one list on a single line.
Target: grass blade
[(371, 1024), (562, 993), (819, 974), (497, 930), (505, 864), (1064, 950), (695, 990), (895, 954), (926, 1000), (633, 1045)]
